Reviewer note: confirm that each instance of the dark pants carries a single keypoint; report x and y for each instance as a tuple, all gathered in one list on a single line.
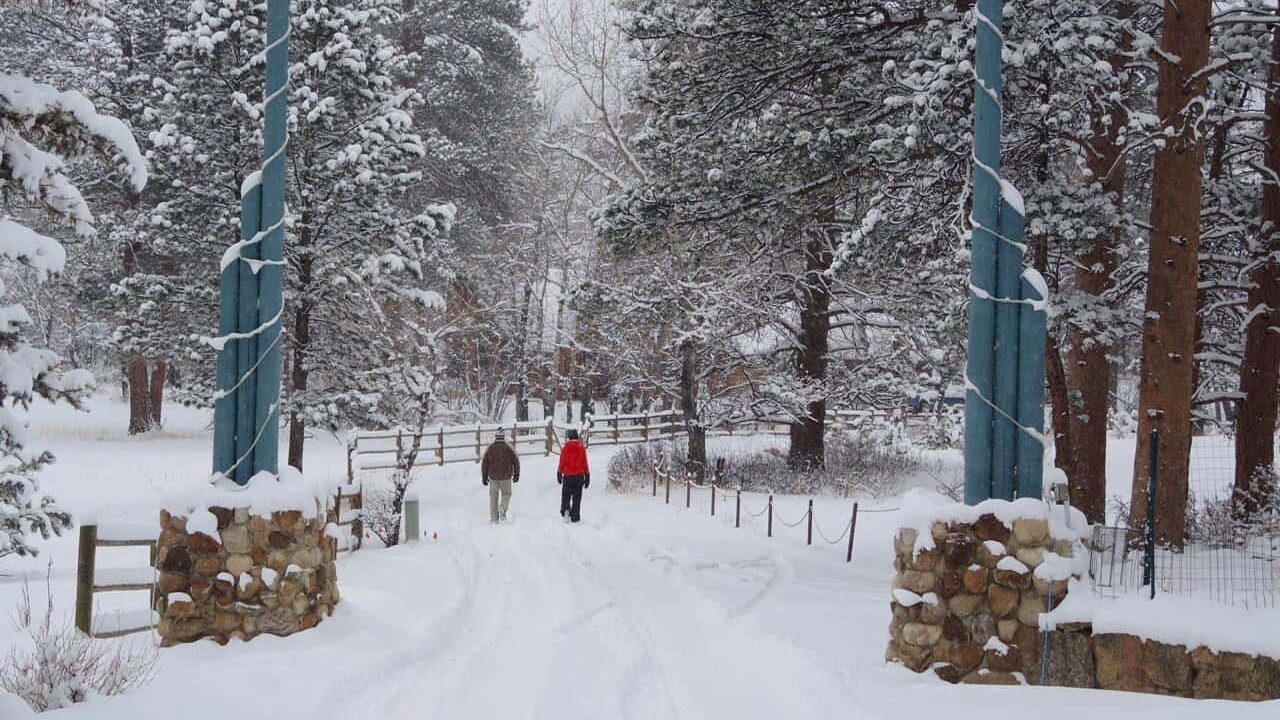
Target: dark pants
[(571, 497)]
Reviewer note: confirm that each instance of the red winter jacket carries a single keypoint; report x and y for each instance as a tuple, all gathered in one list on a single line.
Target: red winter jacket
[(573, 460)]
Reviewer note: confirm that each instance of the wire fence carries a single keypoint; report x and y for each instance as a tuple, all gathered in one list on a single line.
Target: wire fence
[(721, 497), (1224, 558)]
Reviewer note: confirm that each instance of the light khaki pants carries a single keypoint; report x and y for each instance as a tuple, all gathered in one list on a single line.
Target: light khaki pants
[(498, 505)]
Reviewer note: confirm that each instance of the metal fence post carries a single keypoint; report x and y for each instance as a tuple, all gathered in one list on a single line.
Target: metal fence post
[(411, 530), (85, 577), (853, 525), (688, 492), (1149, 562), (737, 510), (809, 539), (713, 499), (770, 534)]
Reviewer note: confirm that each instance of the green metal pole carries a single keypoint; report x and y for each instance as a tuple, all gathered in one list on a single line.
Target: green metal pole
[(978, 450), (1033, 319), (246, 348), (228, 371), (271, 274), (1008, 347)]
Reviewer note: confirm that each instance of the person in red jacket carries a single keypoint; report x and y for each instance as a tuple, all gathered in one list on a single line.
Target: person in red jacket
[(574, 476)]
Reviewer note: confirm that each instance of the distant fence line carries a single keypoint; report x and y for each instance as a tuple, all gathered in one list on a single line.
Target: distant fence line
[(446, 444)]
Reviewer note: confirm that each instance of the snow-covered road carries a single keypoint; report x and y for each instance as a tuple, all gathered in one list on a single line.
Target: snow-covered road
[(643, 611)]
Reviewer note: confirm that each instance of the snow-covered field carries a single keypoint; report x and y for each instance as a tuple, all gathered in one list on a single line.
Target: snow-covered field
[(643, 611)]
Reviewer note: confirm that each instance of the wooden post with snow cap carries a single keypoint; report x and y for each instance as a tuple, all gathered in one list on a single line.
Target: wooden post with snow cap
[(411, 519)]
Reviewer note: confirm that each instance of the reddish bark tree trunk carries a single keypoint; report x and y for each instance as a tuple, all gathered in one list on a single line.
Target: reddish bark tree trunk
[(1169, 323), (1260, 371), (159, 373), (140, 415), (1088, 361)]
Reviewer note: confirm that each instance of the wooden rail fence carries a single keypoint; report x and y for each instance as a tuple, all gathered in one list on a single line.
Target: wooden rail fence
[(445, 444), (91, 579)]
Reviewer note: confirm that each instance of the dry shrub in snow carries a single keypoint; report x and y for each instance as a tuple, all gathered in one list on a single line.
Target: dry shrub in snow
[(53, 665)]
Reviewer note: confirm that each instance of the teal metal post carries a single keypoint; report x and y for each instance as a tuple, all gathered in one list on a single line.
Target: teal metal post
[(246, 416), (271, 275), (224, 407), (1031, 387), (247, 346), (978, 451), (1008, 286)]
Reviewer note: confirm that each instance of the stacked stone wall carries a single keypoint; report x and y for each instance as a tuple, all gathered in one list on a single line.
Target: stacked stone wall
[(967, 603), (272, 574)]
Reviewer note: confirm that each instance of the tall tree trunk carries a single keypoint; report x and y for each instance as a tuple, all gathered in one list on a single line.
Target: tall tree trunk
[(689, 409), (1059, 407), (140, 416), (299, 373), (159, 372), (1088, 363), (1169, 322), (1259, 373), (808, 441), (522, 362)]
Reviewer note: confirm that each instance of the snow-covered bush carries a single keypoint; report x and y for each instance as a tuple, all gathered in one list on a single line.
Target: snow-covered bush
[(857, 464), (384, 508), (40, 128), (53, 665)]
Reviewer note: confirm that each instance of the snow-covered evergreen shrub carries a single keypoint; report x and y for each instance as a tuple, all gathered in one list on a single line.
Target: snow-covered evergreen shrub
[(53, 665), (40, 128)]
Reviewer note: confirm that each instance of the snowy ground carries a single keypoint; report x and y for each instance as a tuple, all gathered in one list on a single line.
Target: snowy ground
[(643, 611)]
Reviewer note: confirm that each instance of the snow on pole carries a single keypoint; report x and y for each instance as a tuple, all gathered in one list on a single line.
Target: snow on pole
[(271, 275), (982, 273), (1033, 319)]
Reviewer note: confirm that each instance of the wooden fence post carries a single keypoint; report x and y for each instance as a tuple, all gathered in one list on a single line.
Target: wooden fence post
[(770, 515), (440, 446), (737, 510), (654, 474), (551, 434), (615, 429), (85, 578), (713, 499), (667, 482), (644, 427), (357, 524), (853, 524), (688, 491), (809, 541), (351, 450), (479, 447)]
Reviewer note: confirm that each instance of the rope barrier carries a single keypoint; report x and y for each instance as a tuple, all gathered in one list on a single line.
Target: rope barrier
[(844, 533)]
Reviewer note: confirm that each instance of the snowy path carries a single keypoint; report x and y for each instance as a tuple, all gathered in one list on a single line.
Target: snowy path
[(569, 622)]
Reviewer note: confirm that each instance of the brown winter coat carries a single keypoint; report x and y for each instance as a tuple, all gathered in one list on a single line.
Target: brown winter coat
[(500, 463)]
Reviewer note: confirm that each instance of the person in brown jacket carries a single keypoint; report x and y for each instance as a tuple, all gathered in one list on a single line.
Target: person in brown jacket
[(498, 470)]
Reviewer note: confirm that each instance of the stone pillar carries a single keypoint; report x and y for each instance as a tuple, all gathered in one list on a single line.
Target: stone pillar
[(967, 598), (237, 575)]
